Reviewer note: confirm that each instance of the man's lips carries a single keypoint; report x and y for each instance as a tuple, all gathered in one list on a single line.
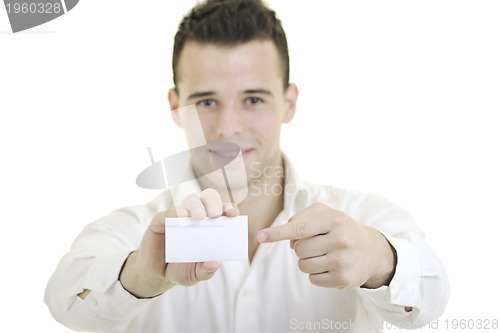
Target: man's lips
[(225, 153), (246, 152), (230, 153)]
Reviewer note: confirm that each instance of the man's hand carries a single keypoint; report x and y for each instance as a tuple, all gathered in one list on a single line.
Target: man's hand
[(335, 250), (145, 273)]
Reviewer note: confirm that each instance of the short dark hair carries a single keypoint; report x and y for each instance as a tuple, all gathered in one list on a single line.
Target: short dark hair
[(229, 23)]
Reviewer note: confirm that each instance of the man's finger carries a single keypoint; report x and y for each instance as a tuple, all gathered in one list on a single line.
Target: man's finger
[(230, 209), (294, 229), (205, 270), (212, 202), (194, 206), (157, 224)]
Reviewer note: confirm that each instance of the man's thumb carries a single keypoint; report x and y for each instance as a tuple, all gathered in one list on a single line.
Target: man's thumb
[(205, 270)]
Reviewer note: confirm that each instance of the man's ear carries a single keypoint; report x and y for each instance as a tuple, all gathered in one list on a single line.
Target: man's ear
[(291, 95), (173, 99)]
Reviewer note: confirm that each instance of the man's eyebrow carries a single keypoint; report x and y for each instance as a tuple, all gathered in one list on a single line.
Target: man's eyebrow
[(258, 91), (201, 94)]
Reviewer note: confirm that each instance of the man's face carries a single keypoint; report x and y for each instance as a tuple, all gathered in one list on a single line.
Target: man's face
[(238, 92)]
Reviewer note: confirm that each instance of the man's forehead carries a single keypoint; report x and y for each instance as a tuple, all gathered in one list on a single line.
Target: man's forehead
[(205, 61)]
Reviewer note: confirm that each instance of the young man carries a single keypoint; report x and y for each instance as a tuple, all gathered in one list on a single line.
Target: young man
[(320, 258)]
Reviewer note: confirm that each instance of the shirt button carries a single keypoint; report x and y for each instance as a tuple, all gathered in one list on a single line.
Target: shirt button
[(92, 300), (246, 292)]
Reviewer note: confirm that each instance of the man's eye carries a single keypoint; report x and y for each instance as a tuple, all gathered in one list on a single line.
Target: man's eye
[(254, 100), (206, 102)]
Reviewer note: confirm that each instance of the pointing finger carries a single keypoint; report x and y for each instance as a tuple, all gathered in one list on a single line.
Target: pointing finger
[(293, 230)]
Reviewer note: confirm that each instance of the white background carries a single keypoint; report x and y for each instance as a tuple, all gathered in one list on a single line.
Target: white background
[(396, 97)]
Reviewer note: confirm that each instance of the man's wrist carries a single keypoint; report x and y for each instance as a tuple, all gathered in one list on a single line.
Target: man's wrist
[(386, 268), (137, 284)]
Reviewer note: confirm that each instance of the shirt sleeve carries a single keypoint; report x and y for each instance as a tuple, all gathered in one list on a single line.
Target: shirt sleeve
[(420, 280), (94, 263)]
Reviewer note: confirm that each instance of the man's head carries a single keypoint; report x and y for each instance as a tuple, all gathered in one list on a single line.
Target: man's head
[(238, 86), (229, 23)]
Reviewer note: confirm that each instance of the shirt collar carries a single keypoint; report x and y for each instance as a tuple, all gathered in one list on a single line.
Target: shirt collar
[(294, 186)]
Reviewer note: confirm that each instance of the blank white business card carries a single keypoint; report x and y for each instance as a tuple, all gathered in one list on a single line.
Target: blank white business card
[(212, 239)]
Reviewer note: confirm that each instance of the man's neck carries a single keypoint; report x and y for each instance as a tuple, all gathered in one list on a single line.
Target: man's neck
[(264, 202)]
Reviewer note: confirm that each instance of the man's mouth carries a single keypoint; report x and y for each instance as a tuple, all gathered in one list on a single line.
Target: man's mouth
[(225, 154), (227, 150), (246, 152)]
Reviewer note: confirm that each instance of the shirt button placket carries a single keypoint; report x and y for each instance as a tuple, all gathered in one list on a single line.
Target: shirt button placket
[(247, 308)]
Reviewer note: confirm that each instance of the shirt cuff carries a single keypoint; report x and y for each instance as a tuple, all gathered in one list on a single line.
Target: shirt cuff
[(104, 270), (116, 304), (107, 298)]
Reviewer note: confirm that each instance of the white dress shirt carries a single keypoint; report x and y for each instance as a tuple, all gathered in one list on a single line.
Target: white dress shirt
[(270, 295)]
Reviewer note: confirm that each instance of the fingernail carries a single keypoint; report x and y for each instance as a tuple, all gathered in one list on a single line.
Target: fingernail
[(262, 237), (213, 210), (198, 214), (181, 212), (230, 207), (212, 267)]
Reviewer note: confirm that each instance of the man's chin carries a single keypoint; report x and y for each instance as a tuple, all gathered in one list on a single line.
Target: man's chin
[(235, 192), (230, 182)]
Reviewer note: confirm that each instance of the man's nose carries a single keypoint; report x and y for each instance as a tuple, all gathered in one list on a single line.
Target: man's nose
[(229, 122)]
